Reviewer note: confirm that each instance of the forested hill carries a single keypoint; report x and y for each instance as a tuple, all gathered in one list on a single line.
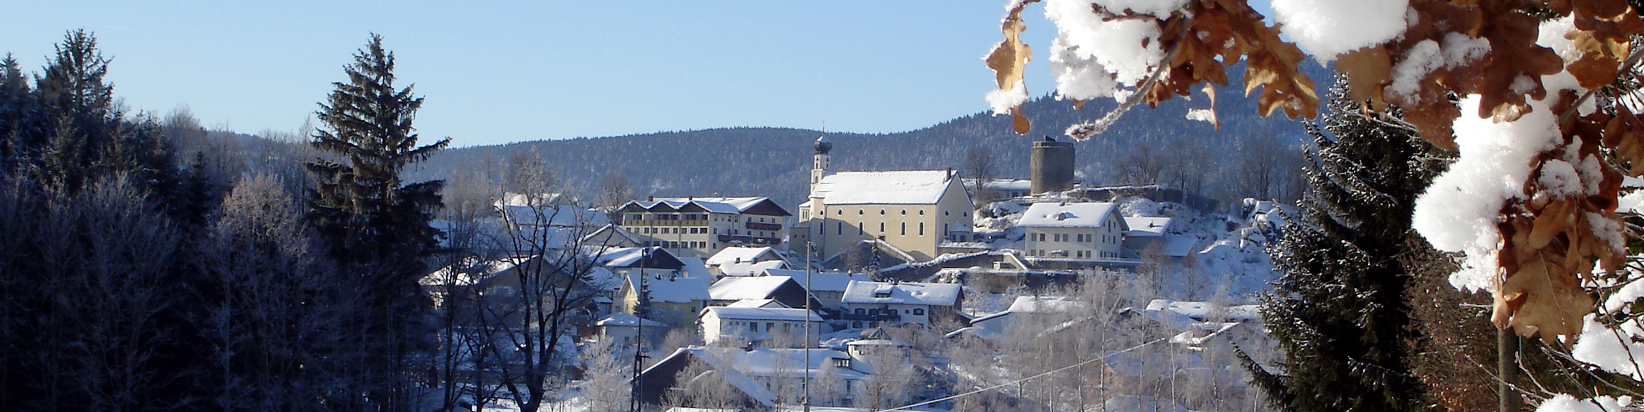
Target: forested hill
[(775, 162)]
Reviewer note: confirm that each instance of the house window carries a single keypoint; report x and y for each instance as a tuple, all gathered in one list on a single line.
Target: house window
[(918, 311), (856, 325), (770, 326), (861, 212), (753, 326), (839, 227), (841, 212), (881, 227), (842, 362), (921, 228), (881, 212), (904, 211), (904, 228), (859, 229), (921, 212), (859, 311)]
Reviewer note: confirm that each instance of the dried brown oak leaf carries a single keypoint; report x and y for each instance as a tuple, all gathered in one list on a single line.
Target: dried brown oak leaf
[(1008, 60)]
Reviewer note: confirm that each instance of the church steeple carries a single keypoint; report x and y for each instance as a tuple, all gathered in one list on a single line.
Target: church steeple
[(819, 161)]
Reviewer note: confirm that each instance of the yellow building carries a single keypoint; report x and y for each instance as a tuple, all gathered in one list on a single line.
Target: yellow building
[(914, 211)]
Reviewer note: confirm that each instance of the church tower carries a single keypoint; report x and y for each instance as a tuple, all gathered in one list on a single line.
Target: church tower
[(819, 161)]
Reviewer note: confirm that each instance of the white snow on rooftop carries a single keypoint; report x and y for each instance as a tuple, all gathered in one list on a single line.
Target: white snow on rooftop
[(1202, 310), (781, 314), (1147, 226), (739, 288), (893, 187), (935, 294), (725, 205), (1066, 214), (821, 281), (742, 254), (623, 319)]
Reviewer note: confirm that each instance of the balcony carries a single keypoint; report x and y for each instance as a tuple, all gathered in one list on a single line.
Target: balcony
[(648, 222), (750, 240), (764, 226)]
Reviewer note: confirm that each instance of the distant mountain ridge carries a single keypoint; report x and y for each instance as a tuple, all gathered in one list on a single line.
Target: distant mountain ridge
[(775, 162)]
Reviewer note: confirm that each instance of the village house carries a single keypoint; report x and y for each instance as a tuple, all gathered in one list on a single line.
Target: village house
[(745, 261), (700, 227), (782, 289), (874, 304), (629, 330), (911, 212), (764, 326), (661, 282), (1073, 231), (762, 377)]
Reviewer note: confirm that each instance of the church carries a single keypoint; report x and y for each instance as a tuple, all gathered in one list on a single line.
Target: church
[(910, 213)]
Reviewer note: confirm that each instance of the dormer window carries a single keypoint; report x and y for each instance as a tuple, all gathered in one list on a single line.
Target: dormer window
[(881, 293), (842, 363)]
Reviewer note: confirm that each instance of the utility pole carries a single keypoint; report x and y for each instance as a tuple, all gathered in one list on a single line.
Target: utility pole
[(637, 391), (805, 381)]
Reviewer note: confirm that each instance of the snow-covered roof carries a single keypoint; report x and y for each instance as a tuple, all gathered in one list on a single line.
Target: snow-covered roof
[(892, 187), (739, 288), (1147, 226), (623, 319), (1178, 246), (1009, 184), (1133, 403), (756, 303), (780, 314), (627, 257), (1200, 311), (746, 269), (722, 205), (821, 281), (743, 254), (617, 230), (694, 267), (1049, 214), (934, 294), (554, 215), (676, 289)]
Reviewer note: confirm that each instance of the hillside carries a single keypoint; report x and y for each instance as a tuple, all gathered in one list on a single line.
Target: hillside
[(774, 162)]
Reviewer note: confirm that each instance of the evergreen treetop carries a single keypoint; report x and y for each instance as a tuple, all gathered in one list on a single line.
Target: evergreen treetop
[(1338, 309)]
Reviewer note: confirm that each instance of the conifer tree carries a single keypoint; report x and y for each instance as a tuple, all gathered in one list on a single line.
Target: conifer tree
[(374, 225), (1338, 309)]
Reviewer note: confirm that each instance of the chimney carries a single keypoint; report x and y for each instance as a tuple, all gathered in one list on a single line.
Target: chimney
[(649, 198)]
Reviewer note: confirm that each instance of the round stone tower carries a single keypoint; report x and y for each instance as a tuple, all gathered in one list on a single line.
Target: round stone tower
[(1051, 166)]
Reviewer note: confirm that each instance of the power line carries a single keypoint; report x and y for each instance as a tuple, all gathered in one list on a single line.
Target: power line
[(1081, 363)]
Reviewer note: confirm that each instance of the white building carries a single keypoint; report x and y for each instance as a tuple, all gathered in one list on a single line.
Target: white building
[(745, 261), (872, 304), (761, 325), (700, 227), (913, 211), (1085, 231)]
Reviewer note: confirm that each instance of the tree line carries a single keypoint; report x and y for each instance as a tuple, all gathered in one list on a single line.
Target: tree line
[(149, 267)]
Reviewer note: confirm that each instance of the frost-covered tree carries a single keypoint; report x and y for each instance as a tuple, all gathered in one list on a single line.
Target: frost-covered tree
[(1338, 307), (374, 225)]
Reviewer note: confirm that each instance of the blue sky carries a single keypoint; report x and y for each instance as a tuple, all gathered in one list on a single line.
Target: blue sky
[(497, 72)]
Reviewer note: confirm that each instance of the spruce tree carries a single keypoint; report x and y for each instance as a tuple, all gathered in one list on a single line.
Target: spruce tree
[(1338, 309), (375, 226)]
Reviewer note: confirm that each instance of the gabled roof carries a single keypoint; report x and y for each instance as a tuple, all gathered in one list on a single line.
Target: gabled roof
[(553, 215), (756, 303), (934, 294), (1147, 226), (911, 187), (1083, 215), (739, 288), (750, 269), (743, 254), (736, 366), (821, 281), (623, 319), (1201, 311), (616, 230), (634, 257), (779, 314), (722, 205)]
